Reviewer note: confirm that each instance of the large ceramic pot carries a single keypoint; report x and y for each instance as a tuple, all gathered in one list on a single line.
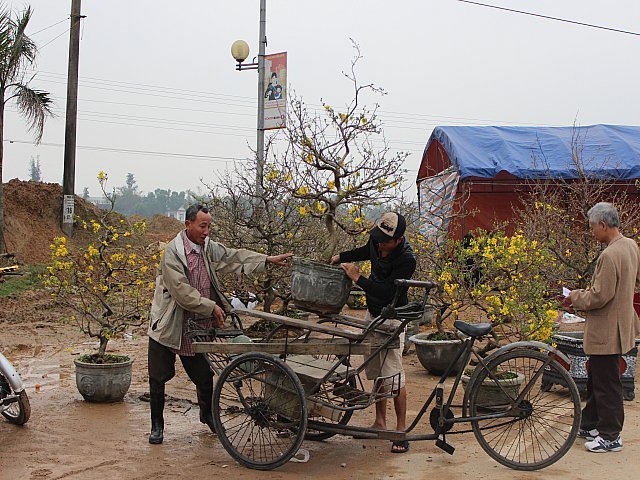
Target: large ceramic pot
[(492, 394), (318, 287), (437, 355), (571, 344), (413, 328), (106, 382)]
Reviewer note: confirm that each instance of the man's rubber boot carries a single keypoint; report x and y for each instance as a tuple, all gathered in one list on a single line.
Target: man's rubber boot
[(204, 402), (156, 400)]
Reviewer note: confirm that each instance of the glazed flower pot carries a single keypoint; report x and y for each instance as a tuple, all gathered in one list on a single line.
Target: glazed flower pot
[(572, 345), (104, 382)]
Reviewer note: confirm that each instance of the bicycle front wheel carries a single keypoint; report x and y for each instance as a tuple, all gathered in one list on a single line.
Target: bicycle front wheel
[(532, 425), (260, 410)]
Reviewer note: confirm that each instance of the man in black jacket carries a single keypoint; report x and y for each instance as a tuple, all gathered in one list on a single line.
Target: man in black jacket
[(391, 258)]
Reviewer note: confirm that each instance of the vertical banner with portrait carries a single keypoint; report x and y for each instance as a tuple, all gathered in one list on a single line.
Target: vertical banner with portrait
[(275, 94)]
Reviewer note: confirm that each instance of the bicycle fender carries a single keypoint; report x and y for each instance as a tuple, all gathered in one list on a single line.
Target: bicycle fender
[(533, 345), (11, 375)]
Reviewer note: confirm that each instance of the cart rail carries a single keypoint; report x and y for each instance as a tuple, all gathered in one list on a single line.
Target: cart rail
[(303, 324)]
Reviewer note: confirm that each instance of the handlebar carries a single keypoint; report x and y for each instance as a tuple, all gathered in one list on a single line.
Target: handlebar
[(400, 282)]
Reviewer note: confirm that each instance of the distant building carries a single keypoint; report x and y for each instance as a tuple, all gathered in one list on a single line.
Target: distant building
[(100, 202), (178, 214)]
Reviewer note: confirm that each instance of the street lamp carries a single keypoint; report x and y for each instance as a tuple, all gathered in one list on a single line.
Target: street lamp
[(240, 52)]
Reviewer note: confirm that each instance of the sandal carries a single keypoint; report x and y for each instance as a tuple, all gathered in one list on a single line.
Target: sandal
[(400, 446)]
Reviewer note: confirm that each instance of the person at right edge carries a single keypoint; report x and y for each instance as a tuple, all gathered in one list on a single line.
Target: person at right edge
[(391, 258), (610, 330)]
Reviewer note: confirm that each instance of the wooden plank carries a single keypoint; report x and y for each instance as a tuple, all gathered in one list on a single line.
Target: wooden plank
[(360, 322), (303, 324), (311, 348), (315, 368)]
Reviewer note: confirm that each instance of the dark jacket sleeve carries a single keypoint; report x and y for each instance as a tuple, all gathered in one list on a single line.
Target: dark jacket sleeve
[(356, 255), (386, 289)]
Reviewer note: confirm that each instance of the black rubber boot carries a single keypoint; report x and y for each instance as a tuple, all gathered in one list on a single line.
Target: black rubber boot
[(204, 402), (156, 400)]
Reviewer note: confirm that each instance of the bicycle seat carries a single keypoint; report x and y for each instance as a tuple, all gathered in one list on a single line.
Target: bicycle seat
[(473, 329)]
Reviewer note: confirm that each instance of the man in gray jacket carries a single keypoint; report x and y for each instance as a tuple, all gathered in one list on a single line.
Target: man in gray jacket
[(186, 288), (610, 330)]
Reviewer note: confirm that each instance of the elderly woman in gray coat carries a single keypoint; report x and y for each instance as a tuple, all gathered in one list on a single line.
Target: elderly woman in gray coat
[(610, 330)]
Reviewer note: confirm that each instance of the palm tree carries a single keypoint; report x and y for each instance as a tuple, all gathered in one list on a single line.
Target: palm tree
[(17, 54)]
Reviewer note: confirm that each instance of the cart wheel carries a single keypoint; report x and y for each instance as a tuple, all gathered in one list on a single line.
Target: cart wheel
[(257, 399), (319, 435), (537, 430)]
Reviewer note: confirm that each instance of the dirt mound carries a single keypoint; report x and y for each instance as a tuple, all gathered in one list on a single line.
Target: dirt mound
[(159, 227), (33, 214)]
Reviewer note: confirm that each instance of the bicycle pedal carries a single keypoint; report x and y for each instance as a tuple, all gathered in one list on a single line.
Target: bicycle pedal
[(445, 446)]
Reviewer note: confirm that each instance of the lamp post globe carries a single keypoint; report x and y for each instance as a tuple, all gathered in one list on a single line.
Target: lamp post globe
[(240, 50)]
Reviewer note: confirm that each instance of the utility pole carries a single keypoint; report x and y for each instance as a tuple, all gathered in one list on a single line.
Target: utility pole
[(68, 180), (262, 43)]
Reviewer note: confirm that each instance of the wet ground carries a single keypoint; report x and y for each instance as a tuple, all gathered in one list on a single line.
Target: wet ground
[(69, 438)]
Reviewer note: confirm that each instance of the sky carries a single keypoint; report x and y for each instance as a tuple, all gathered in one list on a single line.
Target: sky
[(159, 95)]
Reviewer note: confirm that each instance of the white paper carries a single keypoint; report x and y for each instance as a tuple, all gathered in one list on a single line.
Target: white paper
[(565, 291), (571, 318)]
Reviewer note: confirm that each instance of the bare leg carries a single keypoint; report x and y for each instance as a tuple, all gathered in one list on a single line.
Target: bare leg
[(381, 409), (381, 415), (400, 405)]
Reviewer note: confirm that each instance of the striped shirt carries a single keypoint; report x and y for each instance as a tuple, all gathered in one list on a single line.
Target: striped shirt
[(199, 279)]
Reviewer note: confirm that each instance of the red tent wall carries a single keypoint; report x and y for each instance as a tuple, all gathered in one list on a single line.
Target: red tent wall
[(485, 202)]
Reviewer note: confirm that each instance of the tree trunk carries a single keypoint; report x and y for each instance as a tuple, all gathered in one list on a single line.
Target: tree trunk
[(269, 296), (3, 246), (103, 346), (333, 238)]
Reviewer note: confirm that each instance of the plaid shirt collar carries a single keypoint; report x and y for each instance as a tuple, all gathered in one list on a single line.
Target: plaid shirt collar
[(190, 246)]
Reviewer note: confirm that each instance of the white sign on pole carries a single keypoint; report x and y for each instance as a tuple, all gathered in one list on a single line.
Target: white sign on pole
[(275, 94), (68, 209)]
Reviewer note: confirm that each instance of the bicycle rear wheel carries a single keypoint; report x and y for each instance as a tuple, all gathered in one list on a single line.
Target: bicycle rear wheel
[(260, 411), (535, 431)]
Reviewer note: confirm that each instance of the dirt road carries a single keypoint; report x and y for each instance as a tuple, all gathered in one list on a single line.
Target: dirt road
[(72, 439)]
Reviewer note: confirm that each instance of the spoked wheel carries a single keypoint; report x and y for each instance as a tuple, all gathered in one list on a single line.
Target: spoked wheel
[(260, 411), (536, 430), (342, 419), (19, 410)]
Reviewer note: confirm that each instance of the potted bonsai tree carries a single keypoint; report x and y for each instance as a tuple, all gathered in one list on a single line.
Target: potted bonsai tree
[(497, 277), (107, 287)]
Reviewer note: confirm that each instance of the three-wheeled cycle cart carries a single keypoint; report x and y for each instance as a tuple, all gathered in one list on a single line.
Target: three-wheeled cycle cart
[(270, 396)]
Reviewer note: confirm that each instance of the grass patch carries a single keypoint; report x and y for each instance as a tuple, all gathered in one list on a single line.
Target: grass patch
[(31, 279)]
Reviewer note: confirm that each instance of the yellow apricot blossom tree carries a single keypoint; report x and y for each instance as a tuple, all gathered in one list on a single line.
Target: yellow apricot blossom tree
[(501, 275), (108, 285), (338, 164)]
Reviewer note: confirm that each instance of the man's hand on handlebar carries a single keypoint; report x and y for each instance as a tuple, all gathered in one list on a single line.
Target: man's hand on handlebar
[(218, 316)]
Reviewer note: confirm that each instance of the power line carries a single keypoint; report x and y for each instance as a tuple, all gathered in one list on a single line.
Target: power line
[(50, 26), (246, 102), (550, 18), (213, 158), (54, 38)]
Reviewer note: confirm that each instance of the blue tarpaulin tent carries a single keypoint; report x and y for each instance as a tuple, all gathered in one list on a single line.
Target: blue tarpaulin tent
[(541, 152), (493, 164)]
